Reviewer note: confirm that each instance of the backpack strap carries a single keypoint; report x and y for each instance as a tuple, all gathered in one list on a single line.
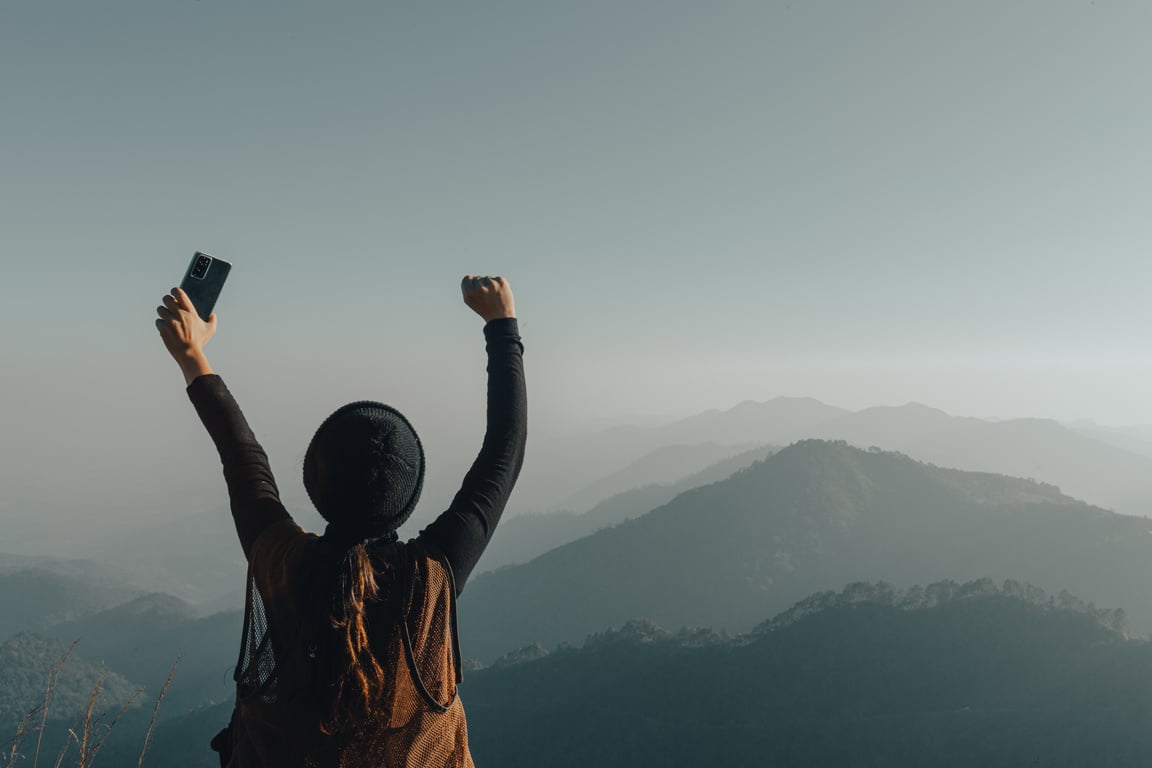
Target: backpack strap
[(420, 597)]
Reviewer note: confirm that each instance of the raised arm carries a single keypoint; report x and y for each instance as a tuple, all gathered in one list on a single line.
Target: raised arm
[(463, 530), (252, 491)]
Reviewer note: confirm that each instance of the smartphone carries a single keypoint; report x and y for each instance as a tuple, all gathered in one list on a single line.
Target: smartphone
[(203, 282)]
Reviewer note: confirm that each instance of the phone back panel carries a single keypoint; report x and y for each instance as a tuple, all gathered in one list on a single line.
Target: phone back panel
[(203, 282)]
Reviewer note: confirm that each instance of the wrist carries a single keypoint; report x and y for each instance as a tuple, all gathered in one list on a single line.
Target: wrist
[(193, 363)]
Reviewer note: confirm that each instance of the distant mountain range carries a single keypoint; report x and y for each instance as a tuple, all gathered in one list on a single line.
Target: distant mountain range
[(1104, 467), (196, 557), (33, 597), (901, 677), (558, 470), (665, 465), (812, 517), (1137, 439), (605, 478), (144, 638), (135, 638), (521, 538)]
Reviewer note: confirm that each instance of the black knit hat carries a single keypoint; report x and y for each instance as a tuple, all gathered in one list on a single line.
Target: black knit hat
[(364, 470)]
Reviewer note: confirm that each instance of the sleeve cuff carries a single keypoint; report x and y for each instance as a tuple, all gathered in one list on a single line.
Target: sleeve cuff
[(502, 327), (203, 385)]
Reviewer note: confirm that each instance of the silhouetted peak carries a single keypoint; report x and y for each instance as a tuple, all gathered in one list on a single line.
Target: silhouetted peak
[(908, 411), (947, 592), (521, 656), (777, 402), (157, 604)]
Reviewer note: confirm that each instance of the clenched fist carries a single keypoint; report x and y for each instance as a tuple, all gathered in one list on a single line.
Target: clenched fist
[(489, 297)]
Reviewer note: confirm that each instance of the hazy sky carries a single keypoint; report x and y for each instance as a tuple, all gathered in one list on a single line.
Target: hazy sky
[(696, 204)]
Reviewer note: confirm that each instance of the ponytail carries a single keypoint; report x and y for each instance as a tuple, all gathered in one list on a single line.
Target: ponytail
[(359, 678)]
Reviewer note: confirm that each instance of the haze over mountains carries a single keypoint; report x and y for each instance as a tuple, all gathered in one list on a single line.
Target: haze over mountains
[(197, 558), (523, 537), (811, 517), (1084, 464), (36, 593), (696, 530)]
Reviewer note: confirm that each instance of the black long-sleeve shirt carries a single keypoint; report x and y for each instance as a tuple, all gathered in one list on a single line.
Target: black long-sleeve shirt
[(461, 532)]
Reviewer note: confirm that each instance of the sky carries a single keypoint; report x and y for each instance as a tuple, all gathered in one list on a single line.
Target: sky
[(696, 204)]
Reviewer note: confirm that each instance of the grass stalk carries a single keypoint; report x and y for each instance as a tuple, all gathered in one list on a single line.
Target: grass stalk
[(155, 710), (48, 699), (22, 730), (88, 724)]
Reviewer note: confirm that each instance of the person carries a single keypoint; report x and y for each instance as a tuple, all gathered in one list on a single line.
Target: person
[(349, 652)]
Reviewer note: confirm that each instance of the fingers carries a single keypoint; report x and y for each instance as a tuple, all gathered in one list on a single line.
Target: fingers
[(478, 282), (471, 283), (182, 300), (173, 304), (168, 313)]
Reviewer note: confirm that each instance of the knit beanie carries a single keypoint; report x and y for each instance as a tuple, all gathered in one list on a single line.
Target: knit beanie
[(364, 470)]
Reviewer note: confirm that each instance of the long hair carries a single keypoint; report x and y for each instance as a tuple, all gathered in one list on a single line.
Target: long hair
[(354, 676)]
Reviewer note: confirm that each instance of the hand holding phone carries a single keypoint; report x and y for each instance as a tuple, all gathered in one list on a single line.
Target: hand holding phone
[(184, 334), (203, 282)]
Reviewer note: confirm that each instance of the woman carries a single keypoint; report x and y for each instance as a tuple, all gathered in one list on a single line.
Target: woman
[(349, 654)]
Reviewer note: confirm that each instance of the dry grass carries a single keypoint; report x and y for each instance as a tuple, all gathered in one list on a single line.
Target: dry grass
[(155, 710), (48, 699), (90, 729), (22, 730)]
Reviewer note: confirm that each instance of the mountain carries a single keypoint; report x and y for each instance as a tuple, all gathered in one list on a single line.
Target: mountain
[(1108, 468), (1082, 466), (195, 557), (143, 638), (1137, 439), (521, 538), (949, 675), (660, 467), (28, 663), (34, 598), (563, 466), (979, 676), (814, 516), (750, 421)]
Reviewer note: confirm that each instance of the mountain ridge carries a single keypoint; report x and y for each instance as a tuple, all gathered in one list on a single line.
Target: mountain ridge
[(813, 516)]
